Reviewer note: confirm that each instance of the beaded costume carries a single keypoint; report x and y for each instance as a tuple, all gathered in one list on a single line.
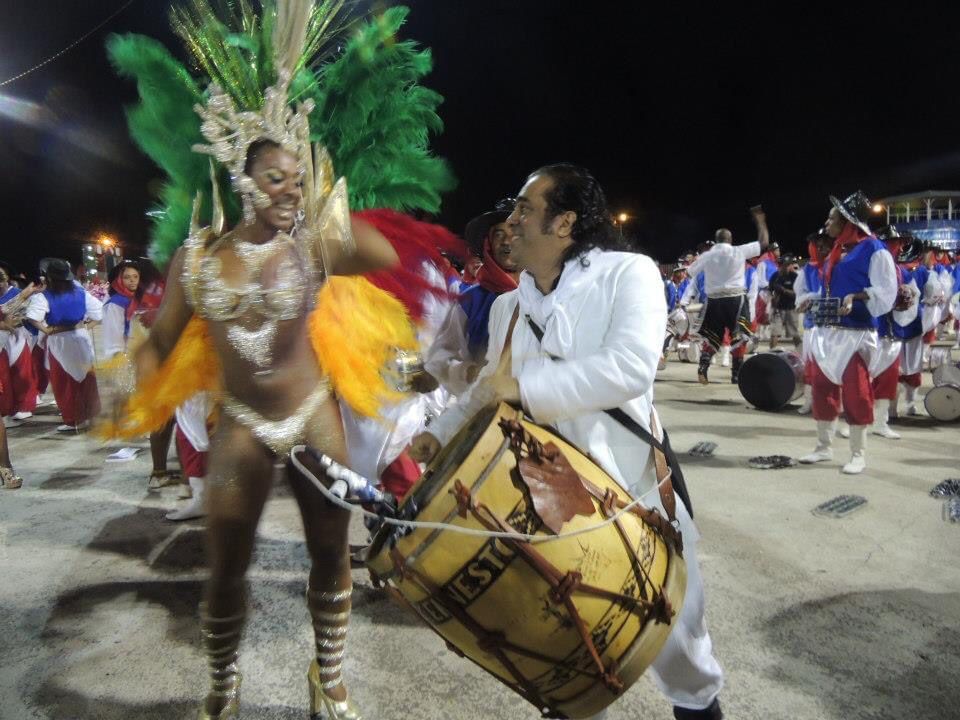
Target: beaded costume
[(259, 67)]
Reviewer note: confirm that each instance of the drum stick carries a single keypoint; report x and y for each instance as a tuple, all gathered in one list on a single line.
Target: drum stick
[(413, 524)]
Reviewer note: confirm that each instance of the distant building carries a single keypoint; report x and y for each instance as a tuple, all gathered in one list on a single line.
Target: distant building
[(932, 216)]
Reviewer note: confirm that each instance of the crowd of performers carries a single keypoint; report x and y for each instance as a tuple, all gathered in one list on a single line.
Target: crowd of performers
[(286, 320), (47, 344), (865, 310)]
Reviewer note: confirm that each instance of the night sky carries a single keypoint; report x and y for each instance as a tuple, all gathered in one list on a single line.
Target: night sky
[(686, 116)]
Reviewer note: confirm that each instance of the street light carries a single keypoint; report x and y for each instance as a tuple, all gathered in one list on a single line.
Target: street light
[(623, 217), (877, 208)]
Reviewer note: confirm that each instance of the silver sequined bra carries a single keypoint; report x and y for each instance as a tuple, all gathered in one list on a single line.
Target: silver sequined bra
[(213, 299)]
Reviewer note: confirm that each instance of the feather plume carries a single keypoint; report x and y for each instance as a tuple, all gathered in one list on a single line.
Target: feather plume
[(375, 119)]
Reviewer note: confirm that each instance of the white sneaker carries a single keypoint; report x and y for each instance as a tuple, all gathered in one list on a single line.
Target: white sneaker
[(66, 428), (885, 431), (805, 409), (818, 455), (194, 506), (10, 422), (184, 492), (23, 415), (844, 431), (857, 464)]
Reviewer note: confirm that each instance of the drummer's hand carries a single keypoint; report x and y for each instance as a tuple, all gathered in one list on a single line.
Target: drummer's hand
[(501, 383), (846, 307), (424, 447), (424, 382), (505, 387)]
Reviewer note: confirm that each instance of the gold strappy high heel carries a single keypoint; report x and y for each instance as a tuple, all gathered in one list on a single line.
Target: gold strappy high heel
[(221, 640), (9, 479), (330, 612)]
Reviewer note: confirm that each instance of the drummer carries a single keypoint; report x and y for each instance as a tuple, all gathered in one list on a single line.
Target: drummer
[(727, 306), (565, 240), (673, 289), (459, 348), (860, 280), (807, 289)]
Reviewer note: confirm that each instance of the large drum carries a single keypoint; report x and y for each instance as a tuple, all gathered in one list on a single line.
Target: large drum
[(568, 624), (770, 380), (943, 401)]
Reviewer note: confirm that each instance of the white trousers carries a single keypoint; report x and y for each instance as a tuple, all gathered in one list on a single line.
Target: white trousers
[(685, 670)]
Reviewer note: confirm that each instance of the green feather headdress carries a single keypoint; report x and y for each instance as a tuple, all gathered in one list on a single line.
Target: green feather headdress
[(371, 113)]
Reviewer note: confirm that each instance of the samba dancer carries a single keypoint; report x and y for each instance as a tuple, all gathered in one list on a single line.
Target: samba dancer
[(727, 308), (860, 279), (259, 313), (603, 315), (266, 359)]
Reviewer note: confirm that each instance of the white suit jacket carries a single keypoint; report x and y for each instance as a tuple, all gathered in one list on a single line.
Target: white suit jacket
[(606, 321)]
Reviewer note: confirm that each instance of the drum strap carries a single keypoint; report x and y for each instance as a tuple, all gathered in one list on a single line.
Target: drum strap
[(664, 457)]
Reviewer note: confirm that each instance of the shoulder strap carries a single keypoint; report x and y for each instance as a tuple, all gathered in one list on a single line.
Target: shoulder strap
[(669, 475)]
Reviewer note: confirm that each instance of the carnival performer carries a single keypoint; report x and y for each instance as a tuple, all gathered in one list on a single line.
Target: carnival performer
[(935, 299), (726, 307), (120, 309), (885, 369), (915, 327), (859, 278), (150, 289), (9, 480), (259, 313), (61, 312), (784, 320), (192, 436), (807, 289), (20, 399), (602, 314), (674, 289), (19, 393), (124, 306), (458, 351)]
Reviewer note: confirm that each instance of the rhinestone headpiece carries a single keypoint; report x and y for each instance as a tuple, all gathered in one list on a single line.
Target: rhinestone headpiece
[(231, 132)]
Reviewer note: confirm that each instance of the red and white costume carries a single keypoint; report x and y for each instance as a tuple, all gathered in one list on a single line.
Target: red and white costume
[(844, 352), (70, 354)]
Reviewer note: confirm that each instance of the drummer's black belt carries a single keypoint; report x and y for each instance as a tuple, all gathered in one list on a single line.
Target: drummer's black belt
[(676, 474)]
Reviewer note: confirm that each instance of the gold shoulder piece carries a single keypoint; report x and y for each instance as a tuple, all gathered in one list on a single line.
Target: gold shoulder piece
[(326, 211)]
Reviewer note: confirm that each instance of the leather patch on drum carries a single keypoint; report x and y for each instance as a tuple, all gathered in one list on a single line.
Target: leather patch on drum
[(556, 490)]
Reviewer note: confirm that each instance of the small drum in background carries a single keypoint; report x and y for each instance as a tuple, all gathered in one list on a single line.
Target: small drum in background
[(568, 624), (943, 403), (770, 380), (678, 323), (947, 374), (940, 355), (689, 351)]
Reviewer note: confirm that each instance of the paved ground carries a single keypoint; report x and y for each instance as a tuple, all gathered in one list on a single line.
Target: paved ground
[(812, 618)]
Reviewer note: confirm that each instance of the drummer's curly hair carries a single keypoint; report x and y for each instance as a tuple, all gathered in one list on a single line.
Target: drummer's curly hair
[(575, 189)]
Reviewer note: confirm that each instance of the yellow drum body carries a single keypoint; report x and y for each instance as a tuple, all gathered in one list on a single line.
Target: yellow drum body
[(569, 648)]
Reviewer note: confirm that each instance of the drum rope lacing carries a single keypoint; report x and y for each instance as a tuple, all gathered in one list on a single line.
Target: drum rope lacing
[(350, 507)]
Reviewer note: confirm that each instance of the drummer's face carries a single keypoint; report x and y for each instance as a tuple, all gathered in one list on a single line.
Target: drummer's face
[(539, 240)]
